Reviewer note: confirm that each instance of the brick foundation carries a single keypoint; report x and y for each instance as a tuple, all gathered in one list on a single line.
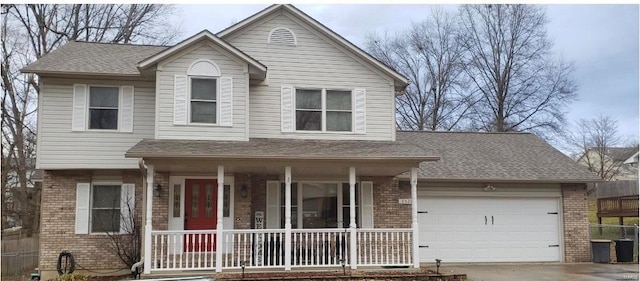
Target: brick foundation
[(576, 224)]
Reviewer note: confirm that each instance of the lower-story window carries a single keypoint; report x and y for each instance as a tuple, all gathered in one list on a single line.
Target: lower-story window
[(105, 208), (318, 205)]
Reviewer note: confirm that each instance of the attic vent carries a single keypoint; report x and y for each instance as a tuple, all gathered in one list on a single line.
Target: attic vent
[(282, 36)]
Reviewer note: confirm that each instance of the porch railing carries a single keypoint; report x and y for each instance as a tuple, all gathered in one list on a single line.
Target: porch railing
[(253, 248), (384, 247), (265, 248), (185, 249)]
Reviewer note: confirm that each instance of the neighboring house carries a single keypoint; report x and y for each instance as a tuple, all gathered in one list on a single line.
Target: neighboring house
[(612, 163), (272, 144)]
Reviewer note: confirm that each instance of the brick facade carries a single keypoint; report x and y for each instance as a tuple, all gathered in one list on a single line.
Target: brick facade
[(92, 250), (576, 224), (387, 212), (57, 233)]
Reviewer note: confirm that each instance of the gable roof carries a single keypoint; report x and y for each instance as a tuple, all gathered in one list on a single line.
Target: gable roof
[(260, 68), (495, 157), (400, 81), (633, 159), (105, 59)]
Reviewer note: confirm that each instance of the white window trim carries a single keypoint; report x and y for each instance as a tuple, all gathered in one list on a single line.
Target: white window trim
[(340, 206), (88, 108), (323, 109), (217, 101), (91, 188)]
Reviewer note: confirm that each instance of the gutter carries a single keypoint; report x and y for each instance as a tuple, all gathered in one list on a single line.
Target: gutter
[(135, 266)]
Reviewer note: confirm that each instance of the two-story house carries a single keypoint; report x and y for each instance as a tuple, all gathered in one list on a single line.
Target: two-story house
[(273, 144)]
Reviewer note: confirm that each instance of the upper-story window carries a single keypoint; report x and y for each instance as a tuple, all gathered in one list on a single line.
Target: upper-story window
[(323, 110), (103, 107), (204, 96)]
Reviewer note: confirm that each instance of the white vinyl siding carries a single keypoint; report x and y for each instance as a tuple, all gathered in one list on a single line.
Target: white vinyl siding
[(232, 96), (316, 62), (60, 148)]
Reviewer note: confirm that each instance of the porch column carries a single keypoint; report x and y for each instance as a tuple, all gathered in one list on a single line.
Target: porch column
[(148, 221), (414, 216), (352, 218), (219, 224), (287, 218)]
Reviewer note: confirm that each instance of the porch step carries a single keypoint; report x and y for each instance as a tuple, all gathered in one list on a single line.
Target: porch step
[(359, 275)]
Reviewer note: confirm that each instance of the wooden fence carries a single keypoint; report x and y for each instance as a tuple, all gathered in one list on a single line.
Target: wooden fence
[(616, 189)]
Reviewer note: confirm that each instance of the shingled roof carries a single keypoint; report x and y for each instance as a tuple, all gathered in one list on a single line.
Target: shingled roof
[(94, 59), (495, 157), (260, 148)]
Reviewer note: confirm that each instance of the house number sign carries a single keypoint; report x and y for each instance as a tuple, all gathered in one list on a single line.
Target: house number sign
[(404, 201)]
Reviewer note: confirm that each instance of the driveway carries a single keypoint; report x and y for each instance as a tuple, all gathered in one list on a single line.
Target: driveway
[(540, 272)]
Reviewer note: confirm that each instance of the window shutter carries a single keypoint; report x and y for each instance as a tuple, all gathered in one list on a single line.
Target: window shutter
[(359, 100), (127, 207), (126, 109), (367, 204), (273, 205), (287, 108), (226, 101), (180, 100), (79, 117), (82, 208)]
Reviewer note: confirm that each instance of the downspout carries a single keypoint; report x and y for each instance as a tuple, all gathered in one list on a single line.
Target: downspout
[(143, 170)]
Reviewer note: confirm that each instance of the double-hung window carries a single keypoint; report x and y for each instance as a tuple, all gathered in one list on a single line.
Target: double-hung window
[(103, 107), (323, 110), (204, 100), (105, 208)]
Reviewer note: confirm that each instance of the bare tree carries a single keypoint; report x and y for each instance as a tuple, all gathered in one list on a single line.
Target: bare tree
[(30, 31), (430, 56), (521, 87), (597, 145), (126, 244)]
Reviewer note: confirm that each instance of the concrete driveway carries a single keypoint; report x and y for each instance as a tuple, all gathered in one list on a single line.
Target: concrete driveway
[(540, 272)]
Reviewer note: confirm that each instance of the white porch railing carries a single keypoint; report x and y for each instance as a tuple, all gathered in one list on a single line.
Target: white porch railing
[(319, 247), (384, 247), (264, 248), (255, 248), (185, 249)]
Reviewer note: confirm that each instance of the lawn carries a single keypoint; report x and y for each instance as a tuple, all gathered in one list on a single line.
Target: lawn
[(593, 217)]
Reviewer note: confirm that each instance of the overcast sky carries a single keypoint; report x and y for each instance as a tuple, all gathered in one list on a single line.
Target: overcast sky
[(602, 41)]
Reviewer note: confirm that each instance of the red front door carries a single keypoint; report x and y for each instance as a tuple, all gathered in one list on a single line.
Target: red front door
[(200, 213)]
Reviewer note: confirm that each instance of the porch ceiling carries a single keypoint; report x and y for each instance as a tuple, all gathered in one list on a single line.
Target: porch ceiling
[(308, 158)]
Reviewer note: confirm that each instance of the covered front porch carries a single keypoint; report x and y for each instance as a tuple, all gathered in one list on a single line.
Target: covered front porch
[(279, 212)]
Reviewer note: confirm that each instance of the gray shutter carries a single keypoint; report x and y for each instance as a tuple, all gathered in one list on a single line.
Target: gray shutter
[(226, 101), (180, 100), (79, 115), (126, 109), (359, 115), (127, 207), (287, 108), (367, 204), (82, 207), (273, 205)]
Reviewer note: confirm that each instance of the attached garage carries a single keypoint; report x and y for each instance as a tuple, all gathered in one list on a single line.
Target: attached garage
[(489, 229)]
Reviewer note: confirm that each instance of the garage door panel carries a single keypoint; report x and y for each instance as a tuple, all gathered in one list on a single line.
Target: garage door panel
[(462, 230)]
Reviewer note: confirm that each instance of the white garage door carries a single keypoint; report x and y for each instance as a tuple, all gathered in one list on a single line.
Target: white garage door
[(488, 229)]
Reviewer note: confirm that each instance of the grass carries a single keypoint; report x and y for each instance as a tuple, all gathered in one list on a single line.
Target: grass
[(593, 217)]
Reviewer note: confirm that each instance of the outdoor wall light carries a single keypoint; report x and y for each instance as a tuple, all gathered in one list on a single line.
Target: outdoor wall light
[(157, 190), (243, 191)]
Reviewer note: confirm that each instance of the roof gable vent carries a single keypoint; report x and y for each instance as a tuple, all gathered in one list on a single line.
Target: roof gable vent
[(282, 36)]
